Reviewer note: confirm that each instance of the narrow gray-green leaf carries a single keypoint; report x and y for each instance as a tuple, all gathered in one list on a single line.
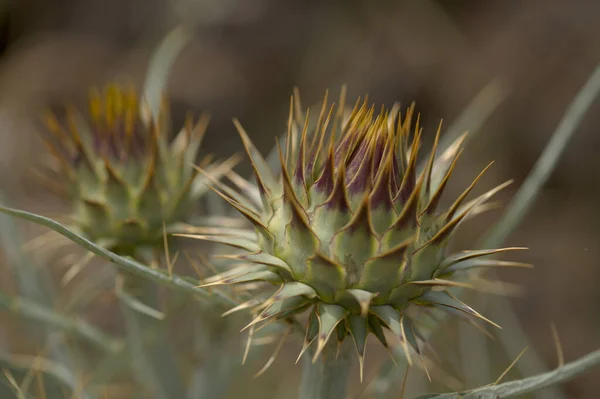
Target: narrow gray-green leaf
[(472, 118), (546, 164), (160, 66), (40, 313), (126, 264), (530, 384)]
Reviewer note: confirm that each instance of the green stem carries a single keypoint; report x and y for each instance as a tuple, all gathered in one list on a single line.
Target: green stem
[(328, 377)]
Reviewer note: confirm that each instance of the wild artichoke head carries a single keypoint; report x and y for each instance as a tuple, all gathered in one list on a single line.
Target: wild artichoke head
[(125, 174), (350, 230)]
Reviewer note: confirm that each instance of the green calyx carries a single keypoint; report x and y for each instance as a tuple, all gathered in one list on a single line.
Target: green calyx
[(351, 230), (126, 176)]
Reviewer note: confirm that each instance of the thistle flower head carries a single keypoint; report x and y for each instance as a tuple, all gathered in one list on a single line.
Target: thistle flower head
[(125, 173), (350, 230)]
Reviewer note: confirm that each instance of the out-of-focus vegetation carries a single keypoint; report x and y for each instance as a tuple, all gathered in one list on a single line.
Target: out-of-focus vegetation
[(520, 63)]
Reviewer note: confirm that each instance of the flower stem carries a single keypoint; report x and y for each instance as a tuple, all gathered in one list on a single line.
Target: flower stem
[(328, 377)]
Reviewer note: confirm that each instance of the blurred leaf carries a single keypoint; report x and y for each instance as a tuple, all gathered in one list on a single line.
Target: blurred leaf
[(152, 355), (327, 377), (521, 203), (476, 113), (35, 285), (160, 66), (57, 377), (42, 314)]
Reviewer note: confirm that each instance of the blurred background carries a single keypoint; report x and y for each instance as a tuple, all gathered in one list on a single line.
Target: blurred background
[(522, 62)]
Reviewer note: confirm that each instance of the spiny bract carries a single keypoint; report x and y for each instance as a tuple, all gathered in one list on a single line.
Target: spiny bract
[(124, 174), (350, 229)]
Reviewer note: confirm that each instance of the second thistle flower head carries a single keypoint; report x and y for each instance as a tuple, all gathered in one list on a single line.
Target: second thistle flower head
[(125, 172), (351, 230)]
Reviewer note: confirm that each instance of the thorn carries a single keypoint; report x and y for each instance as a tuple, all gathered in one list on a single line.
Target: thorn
[(304, 348), (76, 268), (248, 304), (466, 192), (275, 353), (425, 368), (510, 367), (248, 343), (289, 139), (11, 380), (39, 380), (361, 367), (167, 254), (404, 381), (194, 265), (559, 350)]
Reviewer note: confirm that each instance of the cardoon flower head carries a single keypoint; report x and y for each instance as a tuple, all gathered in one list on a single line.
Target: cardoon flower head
[(351, 231), (126, 175)]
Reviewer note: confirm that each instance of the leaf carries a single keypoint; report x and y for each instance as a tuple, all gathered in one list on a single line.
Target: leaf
[(126, 264), (393, 319), (545, 165), (527, 385), (475, 114), (42, 314), (363, 298), (445, 301), (482, 263), (359, 329), (237, 242), (57, 376), (153, 356), (35, 285), (265, 258), (329, 317), (293, 289), (160, 67)]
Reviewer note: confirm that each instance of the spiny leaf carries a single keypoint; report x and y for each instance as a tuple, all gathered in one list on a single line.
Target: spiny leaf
[(246, 305), (290, 290), (479, 263), (262, 258), (376, 328), (329, 317), (261, 168), (325, 275), (312, 330), (445, 300), (237, 242), (393, 319), (259, 275), (278, 309), (383, 272), (363, 298), (453, 209), (467, 255), (358, 328)]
